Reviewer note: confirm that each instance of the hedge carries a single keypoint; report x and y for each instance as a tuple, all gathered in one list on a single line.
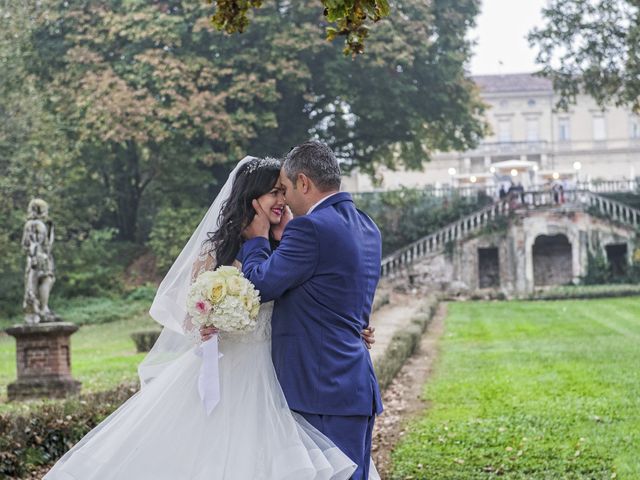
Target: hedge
[(404, 343), (42, 435)]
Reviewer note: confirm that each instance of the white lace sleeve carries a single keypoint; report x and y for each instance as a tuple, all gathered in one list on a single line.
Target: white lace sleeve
[(205, 261)]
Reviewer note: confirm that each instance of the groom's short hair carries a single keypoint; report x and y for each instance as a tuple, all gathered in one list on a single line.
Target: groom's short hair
[(317, 161)]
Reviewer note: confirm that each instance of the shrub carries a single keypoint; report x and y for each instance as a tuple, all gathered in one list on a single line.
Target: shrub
[(145, 340), (406, 215), (142, 293), (93, 266), (12, 263), (89, 267), (586, 291), (599, 272), (42, 435), (97, 310), (170, 232), (404, 343)]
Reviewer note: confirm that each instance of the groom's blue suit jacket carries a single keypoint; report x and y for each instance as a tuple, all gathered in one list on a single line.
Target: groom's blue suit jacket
[(323, 277)]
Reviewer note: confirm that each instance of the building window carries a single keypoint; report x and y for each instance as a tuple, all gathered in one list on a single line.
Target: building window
[(599, 128), (533, 130), (634, 128), (477, 164), (504, 130), (531, 102), (564, 131)]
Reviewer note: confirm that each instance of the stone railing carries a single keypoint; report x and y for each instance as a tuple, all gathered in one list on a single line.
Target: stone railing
[(472, 191), (460, 229), (584, 200), (612, 209), (437, 241)]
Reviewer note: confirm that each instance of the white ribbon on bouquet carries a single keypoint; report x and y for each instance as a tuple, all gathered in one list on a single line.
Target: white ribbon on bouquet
[(209, 375)]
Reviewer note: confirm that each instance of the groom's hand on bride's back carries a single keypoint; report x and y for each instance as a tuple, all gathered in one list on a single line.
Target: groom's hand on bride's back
[(259, 226), (368, 336)]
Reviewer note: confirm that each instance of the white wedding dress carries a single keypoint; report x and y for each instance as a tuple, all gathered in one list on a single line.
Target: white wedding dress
[(163, 432)]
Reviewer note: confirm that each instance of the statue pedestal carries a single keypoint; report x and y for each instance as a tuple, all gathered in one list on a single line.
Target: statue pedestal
[(43, 358)]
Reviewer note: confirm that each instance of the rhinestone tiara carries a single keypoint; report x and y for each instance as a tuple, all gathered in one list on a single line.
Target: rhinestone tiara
[(260, 163)]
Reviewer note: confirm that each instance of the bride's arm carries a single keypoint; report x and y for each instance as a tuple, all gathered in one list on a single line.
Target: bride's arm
[(205, 261)]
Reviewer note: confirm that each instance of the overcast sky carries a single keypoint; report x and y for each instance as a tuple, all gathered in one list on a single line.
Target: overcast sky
[(501, 36)]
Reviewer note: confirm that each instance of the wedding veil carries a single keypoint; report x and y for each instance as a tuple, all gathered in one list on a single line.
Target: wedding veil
[(169, 305), (169, 310)]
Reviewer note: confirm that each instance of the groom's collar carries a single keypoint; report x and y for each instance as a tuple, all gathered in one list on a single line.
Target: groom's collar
[(331, 200)]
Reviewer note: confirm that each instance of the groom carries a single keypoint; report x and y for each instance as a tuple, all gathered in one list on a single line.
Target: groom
[(323, 277)]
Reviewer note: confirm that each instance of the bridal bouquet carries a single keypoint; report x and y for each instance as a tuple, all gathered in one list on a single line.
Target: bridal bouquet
[(224, 299)]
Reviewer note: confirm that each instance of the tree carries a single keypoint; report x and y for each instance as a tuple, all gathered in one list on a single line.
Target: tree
[(151, 94), (592, 47), (141, 101), (30, 146), (349, 16), (118, 111), (408, 96)]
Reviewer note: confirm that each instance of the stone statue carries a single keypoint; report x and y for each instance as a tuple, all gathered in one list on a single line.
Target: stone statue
[(37, 240)]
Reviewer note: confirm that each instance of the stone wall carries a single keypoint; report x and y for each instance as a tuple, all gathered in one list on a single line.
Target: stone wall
[(539, 248)]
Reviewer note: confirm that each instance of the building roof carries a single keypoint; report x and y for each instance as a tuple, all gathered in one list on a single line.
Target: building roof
[(515, 82)]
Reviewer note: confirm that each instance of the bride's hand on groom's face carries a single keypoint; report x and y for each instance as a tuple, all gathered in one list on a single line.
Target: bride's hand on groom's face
[(278, 230), (259, 226)]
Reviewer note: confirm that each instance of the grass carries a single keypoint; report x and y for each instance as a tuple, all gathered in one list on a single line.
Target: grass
[(102, 355), (531, 390)]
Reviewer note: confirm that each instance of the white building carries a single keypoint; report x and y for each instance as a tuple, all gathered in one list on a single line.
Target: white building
[(530, 143)]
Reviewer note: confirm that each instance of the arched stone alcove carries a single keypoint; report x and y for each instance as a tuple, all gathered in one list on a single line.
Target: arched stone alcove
[(552, 260)]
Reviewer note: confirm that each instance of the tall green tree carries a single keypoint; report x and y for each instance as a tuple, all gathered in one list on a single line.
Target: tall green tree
[(142, 101), (151, 93), (36, 157), (592, 47), (408, 96)]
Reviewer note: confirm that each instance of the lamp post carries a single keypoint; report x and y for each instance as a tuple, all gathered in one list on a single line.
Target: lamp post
[(577, 166), (452, 172)]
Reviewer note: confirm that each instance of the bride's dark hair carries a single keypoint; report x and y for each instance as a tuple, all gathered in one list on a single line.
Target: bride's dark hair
[(253, 179)]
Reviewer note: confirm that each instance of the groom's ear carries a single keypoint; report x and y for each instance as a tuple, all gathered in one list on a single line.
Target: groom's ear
[(305, 183)]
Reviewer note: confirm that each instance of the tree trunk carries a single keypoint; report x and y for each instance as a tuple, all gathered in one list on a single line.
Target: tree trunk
[(127, 190)]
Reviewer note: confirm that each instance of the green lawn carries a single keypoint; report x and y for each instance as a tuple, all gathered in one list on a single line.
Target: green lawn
[(531, 390), (102, 355)]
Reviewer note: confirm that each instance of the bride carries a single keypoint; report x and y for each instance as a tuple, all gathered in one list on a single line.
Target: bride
[(163, 432)]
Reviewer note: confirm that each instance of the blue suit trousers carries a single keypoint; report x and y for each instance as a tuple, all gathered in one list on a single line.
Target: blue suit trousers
[(351, 434)]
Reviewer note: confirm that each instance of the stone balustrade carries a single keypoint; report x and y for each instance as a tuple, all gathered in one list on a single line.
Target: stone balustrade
[(436, 242)]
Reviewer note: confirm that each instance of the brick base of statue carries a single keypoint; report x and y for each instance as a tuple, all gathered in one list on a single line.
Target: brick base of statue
[(43, 359)]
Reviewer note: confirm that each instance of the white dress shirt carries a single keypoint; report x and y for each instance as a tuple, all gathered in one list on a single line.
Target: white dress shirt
[(322, 200)]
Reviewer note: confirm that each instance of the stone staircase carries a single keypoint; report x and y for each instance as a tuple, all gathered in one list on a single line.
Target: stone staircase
[(471, 224)]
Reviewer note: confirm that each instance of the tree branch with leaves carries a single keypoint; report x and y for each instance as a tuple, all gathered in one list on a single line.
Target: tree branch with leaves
[(591, 47), (347, 18)]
